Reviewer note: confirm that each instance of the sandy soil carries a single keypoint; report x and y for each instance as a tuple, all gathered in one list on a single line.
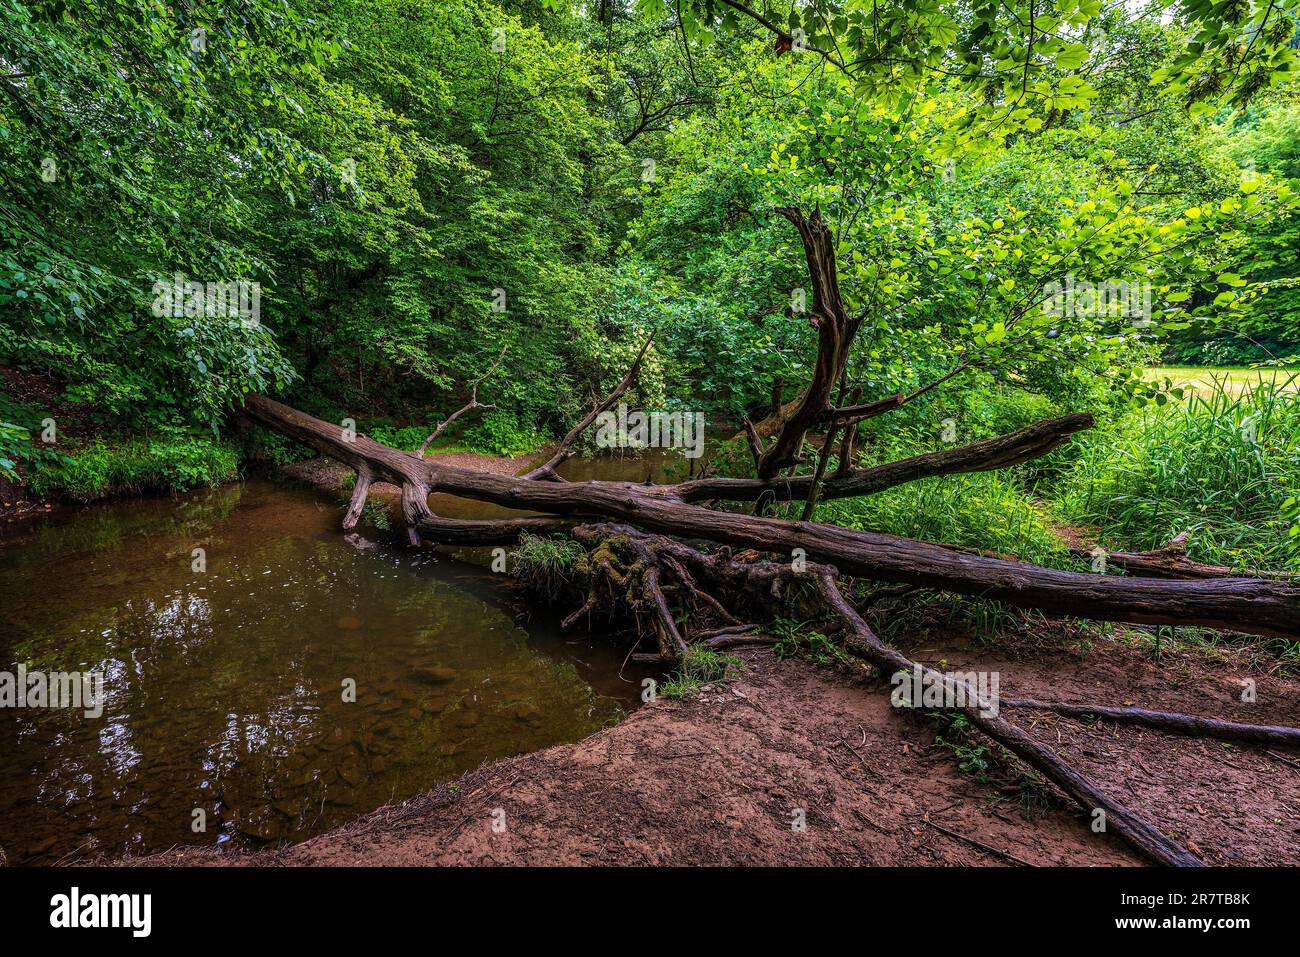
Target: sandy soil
[(719, 780)]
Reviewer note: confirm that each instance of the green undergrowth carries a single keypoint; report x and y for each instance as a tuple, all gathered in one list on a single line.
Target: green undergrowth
[(991, 511), (989, 762), (110, 467), (795, 639), (1222, 466), (496, 433), (699, 667), (544, 561)]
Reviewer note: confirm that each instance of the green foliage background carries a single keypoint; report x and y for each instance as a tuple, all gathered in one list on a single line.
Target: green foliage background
[(418, 183)]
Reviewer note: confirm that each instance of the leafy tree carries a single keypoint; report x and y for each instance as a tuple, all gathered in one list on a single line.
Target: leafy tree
[(947, 263)]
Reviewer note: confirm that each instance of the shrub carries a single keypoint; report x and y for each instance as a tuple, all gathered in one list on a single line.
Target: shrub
[(266, 446), (501, 433), (407, 439), (14, 440), (986, 510)]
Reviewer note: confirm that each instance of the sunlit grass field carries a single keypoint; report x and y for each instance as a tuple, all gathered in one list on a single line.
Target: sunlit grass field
[(1235, 379)]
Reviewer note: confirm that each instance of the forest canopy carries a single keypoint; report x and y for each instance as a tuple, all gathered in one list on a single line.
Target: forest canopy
[(411, 187)]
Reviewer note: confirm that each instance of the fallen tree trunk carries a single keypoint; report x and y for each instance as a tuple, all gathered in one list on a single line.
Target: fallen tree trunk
[(986, 455), (631, 569), (1253, 606), (1243, 604), (1171, 561)]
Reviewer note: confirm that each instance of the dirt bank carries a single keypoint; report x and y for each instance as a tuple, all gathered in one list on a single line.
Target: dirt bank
[(721, 779)]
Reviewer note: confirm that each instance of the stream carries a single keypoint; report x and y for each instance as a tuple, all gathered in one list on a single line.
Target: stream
[(227, 716)]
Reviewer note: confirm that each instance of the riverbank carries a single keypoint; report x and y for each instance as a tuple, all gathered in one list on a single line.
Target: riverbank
[(722, 779)]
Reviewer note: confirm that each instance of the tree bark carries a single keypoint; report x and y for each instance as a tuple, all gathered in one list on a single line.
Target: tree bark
[(835, 331), (1192, 724)]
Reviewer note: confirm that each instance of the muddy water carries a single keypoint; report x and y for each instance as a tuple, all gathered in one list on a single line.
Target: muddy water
[(225, 719)]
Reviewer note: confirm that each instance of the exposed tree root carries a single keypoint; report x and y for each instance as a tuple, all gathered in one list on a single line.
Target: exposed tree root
[(752, 583), (983, 715)]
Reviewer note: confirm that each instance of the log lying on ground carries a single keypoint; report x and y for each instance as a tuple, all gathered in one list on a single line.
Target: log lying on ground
[(1247, 605), (1171, 561), (986, 455), (1273, 605), (1191, 724)]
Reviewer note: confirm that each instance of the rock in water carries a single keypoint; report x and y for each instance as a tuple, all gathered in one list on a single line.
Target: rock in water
[(433, 675)]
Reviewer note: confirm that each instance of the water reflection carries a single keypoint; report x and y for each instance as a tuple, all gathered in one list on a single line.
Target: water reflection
[(225, 690)]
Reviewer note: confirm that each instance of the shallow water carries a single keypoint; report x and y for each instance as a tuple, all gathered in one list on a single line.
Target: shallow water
[(225, 688)]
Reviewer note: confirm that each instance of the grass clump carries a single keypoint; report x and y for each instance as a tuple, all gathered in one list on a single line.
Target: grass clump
[(699, 667), (546, 561)]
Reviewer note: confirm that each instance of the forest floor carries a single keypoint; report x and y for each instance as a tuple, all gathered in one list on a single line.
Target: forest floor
[(720, 779), (41, 392)]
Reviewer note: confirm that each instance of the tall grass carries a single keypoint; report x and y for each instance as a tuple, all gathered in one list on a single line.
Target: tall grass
[(1220, 466), (985, 510)]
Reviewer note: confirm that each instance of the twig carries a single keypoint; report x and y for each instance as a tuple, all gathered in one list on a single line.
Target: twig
[(564, 450), (1282, 758), (1005, 855)]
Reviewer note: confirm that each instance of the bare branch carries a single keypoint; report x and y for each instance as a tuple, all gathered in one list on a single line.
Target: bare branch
[(565, 448), (469, 406)]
